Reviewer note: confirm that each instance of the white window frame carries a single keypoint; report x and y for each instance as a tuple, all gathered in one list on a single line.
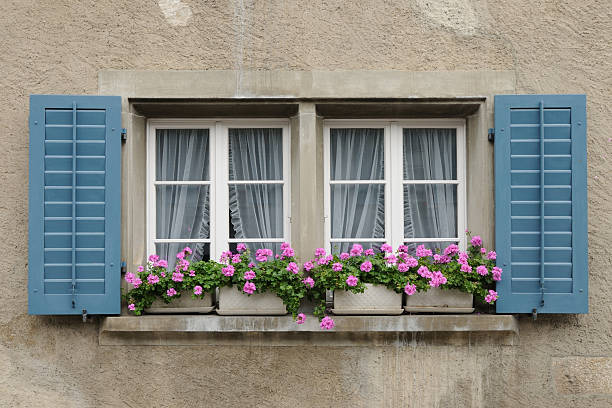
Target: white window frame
[(219, 179), (394, 177)]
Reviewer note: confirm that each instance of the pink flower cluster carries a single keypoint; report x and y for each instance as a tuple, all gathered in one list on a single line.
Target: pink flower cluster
[(369, 252), (319, 252), (309, 282), (293, 267), (197, 290), (327, 323), (482, 270), (497, 273), (352, 281), (131, 307), (249, 275), (356, 250), (437, 279), (451, 250), (476, 241), (249, 287), (241, 247), (441, 259), (337, 267), (177, 277), (301, 318), (410, 289), (308, 266), (491, 297), (366, 266), (421, 251), (287, 250), (133, 279), (171, 292), (261, 255), (386, 248), (152, 279), (228, 270)]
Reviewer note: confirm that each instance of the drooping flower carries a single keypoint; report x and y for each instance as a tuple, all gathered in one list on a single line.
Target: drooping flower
[(421, 251), (171, 292), (403, 267), (132, 307), (319, 252), (301, 318), (197, 290), (177, 277), (249, 275), (141, 268), (293, 267), (476, 241), (412, 262), (366, 266), (327, 323), (309, 282), (308, 266), (451, 250), (356, 250), (386, 248), (497, 273), (352, 280), (492, 255), (228, 270), (491, 297), (482, 270), (369, 252), (152, 279), (344, 256), (466, 268), (241, 247), (410, 289), (337, 267), (249, 287), (437, 279)]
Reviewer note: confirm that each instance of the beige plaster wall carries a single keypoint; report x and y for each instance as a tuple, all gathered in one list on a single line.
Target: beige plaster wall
[(60, 46)]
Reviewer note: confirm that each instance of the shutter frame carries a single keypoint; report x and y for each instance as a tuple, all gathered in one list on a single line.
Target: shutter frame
[(93, 299), (518, 301)]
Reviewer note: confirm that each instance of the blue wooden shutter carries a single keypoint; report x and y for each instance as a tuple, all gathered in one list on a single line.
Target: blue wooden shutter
[(74, 200), (541, 203)]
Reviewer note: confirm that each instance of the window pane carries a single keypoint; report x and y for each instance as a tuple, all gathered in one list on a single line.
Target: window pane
[(430, 211), (182, 154), (256, 210), (256, 154), (339, 247), (357, 154), (357, 210), (168, 251), (182, 211), (434, 246), (430, 154)]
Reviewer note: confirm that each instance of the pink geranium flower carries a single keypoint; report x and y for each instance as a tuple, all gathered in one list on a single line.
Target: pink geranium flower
[(293, 267), (319, 252), (482, 270), (369, 252), (492, 255), (497, 273), (132, 307), (337, 267), (344, 256), (249, 275), (352, 281), (366, 266), (177, 277), (386, 248), (197, 290), (491, 297), (301, 318), (249, 287), (309, 282), (327, 323), (228, 270), (410, 289), (476, 241), (241, 247), (308, 266), (152, 279), (171, 292)]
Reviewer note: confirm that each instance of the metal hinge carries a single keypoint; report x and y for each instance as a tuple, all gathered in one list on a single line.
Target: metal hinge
[(123, 268), (123, 135), (491, 135)]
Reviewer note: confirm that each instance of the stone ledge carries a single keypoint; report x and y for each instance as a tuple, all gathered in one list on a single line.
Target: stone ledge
[(283, 331)]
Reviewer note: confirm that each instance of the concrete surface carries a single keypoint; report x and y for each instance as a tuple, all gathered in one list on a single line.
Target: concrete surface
[(60, 46)]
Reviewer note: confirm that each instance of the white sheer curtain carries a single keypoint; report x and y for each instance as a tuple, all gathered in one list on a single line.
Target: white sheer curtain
[(182, 210), (256, 210), (357, 210), (430, 210)]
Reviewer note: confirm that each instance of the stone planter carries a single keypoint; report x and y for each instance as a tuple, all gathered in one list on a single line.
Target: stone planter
[(440, 301), (233, 302), (183, 304), (376, 300)]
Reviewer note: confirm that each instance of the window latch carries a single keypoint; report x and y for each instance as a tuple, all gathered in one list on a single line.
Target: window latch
[(123, 135), (491, 135)]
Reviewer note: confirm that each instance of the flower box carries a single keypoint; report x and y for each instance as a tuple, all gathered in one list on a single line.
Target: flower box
[(183, 304), (440, 301), (376, 299), (233, 302)]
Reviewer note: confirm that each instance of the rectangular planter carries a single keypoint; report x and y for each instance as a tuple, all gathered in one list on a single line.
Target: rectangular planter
[(440, 301), (183, 304), (376, 300), (235, 303)]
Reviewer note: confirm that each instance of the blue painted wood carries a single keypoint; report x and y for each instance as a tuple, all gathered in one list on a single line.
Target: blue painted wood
[(74, 198), (541, 203)]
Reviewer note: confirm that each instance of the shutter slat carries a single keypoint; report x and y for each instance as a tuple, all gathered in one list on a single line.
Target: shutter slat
[(75, 176), (540, 203)]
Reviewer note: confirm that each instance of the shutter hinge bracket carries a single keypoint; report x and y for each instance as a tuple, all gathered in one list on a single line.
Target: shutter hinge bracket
[(534, 314), (73, 294), (491, 135), (123, 269), (123, 135), (84, 315)]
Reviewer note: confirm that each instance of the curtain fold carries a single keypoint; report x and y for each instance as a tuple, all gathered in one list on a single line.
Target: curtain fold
[(256, 210), (430, 210), (357, 210), (183, 211)]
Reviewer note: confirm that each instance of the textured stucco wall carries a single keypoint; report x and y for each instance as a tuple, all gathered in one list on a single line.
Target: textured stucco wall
[(59, 46)]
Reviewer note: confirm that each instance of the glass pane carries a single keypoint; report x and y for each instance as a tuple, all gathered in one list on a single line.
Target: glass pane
[(339, 247), (256, 154), (357, 154), (182, 211), (430, 211), (256, 210), (430, 154), (357, 210), (182, 154), (168, 251), (254, 246), (434, 246)]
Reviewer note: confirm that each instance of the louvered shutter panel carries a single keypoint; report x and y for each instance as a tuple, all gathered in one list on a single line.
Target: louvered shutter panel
[(74, 205), (541, 203)]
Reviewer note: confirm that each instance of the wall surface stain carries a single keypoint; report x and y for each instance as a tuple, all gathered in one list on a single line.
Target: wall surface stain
[(176, 12)]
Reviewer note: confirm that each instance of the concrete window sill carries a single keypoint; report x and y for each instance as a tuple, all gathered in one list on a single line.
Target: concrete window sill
[(283, 331)]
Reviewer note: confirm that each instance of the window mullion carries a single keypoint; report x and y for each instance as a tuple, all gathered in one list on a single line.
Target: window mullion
[(397, 186), (221, 228)]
